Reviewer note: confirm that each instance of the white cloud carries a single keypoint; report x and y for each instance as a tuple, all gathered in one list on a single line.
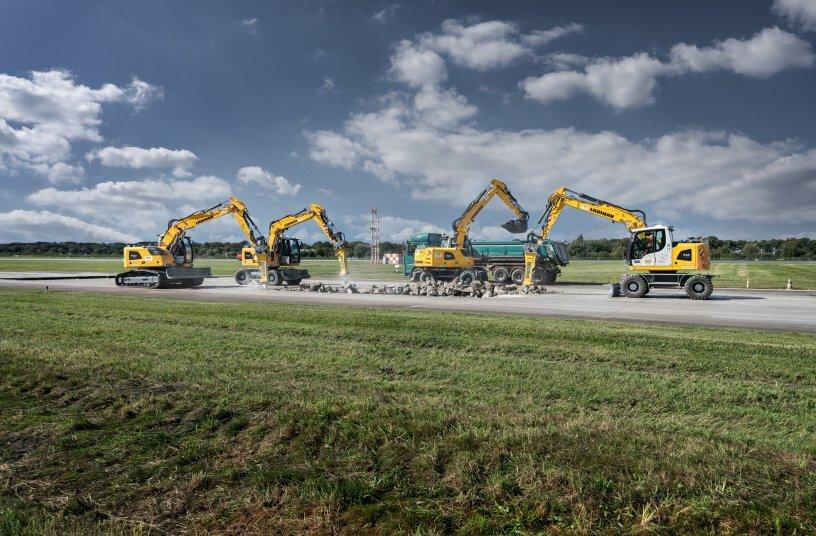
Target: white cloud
[(139, 205), (138, 158), (139, 94), (481, 46), (58, 173), (384, 16), (714, 174), (565, 60), (42, 115), (542, 37), (32, 225), (333, 149), (620, 83), (326, 192), (630, 82), (416, 66), (801, 13), (276, 184), (327, 86), (768, 52), (443, 108), (250, 25)]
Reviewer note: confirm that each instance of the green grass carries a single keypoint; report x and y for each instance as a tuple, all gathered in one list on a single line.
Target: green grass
[(121, 414), (762, 274)]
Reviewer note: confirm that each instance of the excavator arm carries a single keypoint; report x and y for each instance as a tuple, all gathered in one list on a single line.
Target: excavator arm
[(318, 214), (564, 197), (461, 226), (177, 229)]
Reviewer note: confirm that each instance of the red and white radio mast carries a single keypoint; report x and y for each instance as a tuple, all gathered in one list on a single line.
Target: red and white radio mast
[(375, 236)]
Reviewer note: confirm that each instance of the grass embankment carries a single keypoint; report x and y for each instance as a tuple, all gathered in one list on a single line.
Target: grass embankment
[(762, 274), (120, 414)]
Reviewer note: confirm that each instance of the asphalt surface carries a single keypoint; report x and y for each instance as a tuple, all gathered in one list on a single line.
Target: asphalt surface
[(753, 309)]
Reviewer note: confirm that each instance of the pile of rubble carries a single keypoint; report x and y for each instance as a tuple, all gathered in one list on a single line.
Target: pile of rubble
[(477, 289)]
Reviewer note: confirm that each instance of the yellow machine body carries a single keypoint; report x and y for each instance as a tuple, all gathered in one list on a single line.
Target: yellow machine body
[(453, 259)]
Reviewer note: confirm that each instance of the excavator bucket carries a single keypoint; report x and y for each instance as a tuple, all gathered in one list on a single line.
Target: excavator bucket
[(516, 226)]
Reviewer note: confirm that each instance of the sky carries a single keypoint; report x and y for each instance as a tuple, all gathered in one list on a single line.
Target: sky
[(116, 116)]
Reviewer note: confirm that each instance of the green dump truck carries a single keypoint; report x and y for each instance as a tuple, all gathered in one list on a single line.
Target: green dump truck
[(503, 259)]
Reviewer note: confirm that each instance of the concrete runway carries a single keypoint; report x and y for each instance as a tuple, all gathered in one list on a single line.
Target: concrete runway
[(753, 309)]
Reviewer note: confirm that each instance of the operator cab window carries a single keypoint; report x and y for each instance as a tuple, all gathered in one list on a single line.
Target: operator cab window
[(660, 239), (248, 255), (134, 255), (448, 256)]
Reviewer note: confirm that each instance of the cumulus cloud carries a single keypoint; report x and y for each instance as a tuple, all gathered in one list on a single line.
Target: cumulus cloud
[(180, 160), (41, 116), (630, 82), (58, 173), (139, 205), (416, 66), (717, 174), (33, 225), (768, 52), (799, 13), (276, 184)]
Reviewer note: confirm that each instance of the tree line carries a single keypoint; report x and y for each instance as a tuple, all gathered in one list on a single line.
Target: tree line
[(580, 248)]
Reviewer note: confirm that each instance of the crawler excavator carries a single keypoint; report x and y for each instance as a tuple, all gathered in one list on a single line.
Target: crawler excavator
[(169, 263), (277, 264), (655, 260), (455, 257)]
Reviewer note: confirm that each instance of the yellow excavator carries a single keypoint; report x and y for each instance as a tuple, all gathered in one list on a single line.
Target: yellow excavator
[(655, 260), (277, 264), (455, 258), (169, 263)]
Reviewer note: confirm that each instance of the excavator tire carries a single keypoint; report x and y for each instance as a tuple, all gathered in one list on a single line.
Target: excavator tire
[(467, 277), (274, 278), (549, 276), (699, 287), (501, 275), (634, 286), (416, 274), (426, 277), (538, 276), (242, 277), (517, 275)]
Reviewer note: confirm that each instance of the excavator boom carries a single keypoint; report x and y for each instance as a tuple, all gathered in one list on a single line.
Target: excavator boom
[(313, 212), (461, 226)]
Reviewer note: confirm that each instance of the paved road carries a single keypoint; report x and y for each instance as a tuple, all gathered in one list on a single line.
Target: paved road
[(755, 309)]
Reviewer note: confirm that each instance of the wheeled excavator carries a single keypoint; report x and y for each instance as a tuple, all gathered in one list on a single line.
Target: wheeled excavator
[(278, 263), (655, 260), (169, 263), (455, 257)]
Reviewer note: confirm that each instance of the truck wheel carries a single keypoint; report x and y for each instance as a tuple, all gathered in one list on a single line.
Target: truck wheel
[(242, 277), (501, 275), (426, 277), (274, 277), (467, 277), (699, 287), (517, 275), (416, 274), (634, 286)]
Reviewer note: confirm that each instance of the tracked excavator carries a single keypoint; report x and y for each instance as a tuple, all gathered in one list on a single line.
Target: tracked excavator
[(455, 257), (655, 260), (278, 263), (169, 263)]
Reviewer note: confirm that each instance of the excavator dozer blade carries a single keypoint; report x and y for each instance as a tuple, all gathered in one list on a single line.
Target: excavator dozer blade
[(516, 226)]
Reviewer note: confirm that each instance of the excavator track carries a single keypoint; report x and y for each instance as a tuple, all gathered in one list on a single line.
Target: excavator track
[(141, 278)]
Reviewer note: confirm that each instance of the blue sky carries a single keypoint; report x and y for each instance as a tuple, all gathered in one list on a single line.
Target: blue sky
[(117, 116)]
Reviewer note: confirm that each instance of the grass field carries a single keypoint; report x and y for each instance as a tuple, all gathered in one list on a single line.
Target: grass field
[(128, 415), (762, 274)]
